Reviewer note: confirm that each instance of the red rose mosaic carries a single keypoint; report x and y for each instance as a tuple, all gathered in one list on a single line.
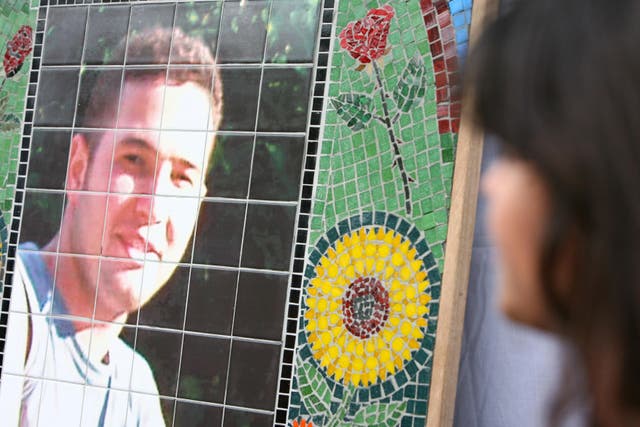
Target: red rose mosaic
[(18, 48), (366, 39)]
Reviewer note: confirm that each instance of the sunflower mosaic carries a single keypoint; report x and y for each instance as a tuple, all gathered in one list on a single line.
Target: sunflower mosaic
[(372, 287), (367, 305)]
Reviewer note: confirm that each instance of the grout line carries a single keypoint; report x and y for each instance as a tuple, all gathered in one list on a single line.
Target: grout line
[(224, 397), (68, 317), (179, 264), (46, 20), (114, 142), (180, 399), (194, 234), (246, 211), (113, 150), (144, 130), (153, 195), (75, 115), (222, 66), (218, 199)]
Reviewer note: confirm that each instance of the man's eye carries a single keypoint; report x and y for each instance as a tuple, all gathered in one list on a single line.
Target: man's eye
[(133, 158), (183, 180)]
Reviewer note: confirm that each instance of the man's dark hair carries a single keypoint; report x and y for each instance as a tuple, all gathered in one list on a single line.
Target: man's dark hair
[(165, 55), (558, 81)]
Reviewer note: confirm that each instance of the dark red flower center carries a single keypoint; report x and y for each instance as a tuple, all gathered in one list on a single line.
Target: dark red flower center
[(365, 307)]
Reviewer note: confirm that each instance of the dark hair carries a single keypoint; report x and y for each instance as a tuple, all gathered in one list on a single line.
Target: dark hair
[(165, 55), (558, 81)]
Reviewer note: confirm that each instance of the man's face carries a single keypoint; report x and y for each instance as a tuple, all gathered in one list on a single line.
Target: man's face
[(153, 168)]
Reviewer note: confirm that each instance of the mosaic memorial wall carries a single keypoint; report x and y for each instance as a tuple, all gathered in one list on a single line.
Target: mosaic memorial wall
[(225, 213)]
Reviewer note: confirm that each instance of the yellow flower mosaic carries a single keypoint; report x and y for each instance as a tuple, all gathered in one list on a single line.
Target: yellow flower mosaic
[(367, 306)]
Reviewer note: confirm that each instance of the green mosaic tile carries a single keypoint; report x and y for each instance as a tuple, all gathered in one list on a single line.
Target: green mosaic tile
[(427, 221), (437, 249), (316, 223), (350, 188), (13, 15), (447, 170), (448, 185), (365, 198)]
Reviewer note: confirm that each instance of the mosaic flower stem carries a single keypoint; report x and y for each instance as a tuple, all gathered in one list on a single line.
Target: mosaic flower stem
[(395, 143), (338, 416)]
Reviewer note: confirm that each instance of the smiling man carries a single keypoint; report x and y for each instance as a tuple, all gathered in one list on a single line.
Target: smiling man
[(132, 201)]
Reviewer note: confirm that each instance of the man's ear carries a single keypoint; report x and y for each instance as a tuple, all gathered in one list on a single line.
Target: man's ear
[(78, 163)]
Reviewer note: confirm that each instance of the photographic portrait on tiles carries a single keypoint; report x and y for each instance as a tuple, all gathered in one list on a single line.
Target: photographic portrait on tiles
[(158, 220)]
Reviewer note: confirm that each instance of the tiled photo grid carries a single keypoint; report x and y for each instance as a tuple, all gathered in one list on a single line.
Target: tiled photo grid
[(213, 333)]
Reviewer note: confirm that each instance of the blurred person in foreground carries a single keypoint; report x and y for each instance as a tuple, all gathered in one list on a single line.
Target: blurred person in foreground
[(133, 196), (558, 82)]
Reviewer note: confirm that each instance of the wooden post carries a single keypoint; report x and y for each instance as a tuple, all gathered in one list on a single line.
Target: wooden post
[(457, 262)]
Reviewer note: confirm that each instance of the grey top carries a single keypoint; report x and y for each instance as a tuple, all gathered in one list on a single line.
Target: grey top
[(509, 374), (62, 386)]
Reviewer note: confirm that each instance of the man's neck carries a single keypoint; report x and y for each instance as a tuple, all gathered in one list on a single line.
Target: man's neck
[(95, 330), (97, 340)]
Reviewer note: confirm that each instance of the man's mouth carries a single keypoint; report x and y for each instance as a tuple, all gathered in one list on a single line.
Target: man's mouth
[(140, 249)]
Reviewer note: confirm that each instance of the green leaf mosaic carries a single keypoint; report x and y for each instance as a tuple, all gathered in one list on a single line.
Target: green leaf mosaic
[(315, 391), (13, 15), (356, 171), (379, 414)]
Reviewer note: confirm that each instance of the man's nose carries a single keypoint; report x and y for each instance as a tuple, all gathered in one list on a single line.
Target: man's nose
[(155, 207), (163, 184), (159, 210)]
